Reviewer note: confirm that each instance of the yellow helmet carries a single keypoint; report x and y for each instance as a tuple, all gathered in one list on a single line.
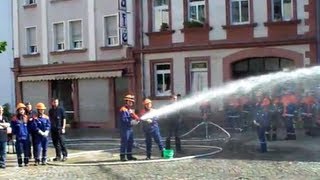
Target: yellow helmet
[(41, 106), (20, 105), (129, 97), (146, 101)]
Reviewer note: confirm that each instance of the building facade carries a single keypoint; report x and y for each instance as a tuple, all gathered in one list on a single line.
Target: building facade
[(77, 51), (6, 58), (192, 45), (90, 53)]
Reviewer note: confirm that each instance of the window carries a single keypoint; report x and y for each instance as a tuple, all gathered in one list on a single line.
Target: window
[(111, 31), (198, 76), (282, 10), (31, 41), (160, 13), (197, 10), (29, 2), (76, 34), (259, 66), (162, 75), (239, 11), (58, 36)]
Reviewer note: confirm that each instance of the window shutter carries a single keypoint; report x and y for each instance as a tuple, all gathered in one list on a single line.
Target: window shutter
[(59, 32), (76, 31)]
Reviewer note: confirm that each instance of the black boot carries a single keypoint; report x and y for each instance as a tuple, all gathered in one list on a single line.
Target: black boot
[(20, 162), (123, 157), (36, 161), (168, 143), (44, 161), (148, 157), (26, 161), (131, 158), (274, 137), (178, 145)]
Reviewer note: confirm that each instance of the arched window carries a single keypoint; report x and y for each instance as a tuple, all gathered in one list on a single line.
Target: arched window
[(258, 66)]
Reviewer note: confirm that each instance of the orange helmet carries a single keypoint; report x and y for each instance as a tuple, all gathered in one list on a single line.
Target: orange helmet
[(129, 97), (41, 106), (20, 105), (146, 101)]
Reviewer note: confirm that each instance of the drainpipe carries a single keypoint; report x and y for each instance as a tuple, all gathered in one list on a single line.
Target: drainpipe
[(141, 46), (318, 30)]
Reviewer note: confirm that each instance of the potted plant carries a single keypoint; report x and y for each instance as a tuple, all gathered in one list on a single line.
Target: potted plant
[(164, 27), (191, 24)]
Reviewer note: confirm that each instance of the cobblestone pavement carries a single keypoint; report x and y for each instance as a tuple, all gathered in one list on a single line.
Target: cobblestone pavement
[(286, 160)]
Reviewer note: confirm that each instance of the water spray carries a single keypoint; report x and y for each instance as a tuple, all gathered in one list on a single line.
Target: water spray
[(246, 85)]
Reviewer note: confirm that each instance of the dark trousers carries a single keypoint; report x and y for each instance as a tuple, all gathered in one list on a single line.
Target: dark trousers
[(3, 152), (308, 124), (173, 127), (155, 134), (34, 146), (289, 121), (41, 145), (262, 139), (126, 142), (23, 147), (58, 141)]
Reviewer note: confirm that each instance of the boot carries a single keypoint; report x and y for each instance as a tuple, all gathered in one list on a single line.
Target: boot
[(148, 157), (178, 145), (131, 158), (36, 162), (26, 161), (20, 162), (168, 143), (44, 161), (123, 157), (274, 137), (263, 147)]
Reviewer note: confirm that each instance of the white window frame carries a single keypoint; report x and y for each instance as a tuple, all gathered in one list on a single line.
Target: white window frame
[(159, 8), (70, 44), (163, 72), (198, 70), (27, 44), (282, 18), (104, 30), (54, 43), (27, 2), (197, 4), (240, 12)]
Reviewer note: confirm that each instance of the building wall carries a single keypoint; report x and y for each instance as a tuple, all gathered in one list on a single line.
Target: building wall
[(94, 101), (30, 16), (35, 92), (216, 64), (6, 58)]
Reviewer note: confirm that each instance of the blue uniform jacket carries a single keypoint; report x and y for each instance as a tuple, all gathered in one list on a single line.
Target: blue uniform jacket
[(20, 127), (152, 126), (262, 116), (125, 118), (40, 123)]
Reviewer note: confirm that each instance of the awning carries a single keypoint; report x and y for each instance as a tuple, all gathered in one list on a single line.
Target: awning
[(89, 75)]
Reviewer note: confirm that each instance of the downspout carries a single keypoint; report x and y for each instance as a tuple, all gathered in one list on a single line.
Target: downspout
[(140, 48), (318, 30)]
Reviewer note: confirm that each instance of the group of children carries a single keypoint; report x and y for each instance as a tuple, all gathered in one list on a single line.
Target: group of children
[(24, 125)]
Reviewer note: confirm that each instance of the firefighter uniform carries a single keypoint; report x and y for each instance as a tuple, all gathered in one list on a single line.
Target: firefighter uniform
[(41, 127), (127, 119), (276, 110), (307, 110), (233, 113), (174, 125), (289, 102), (262, 121), (151, 129), (20, 129)]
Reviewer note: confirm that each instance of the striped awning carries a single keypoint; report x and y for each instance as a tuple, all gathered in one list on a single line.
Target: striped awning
[(88, 75)]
